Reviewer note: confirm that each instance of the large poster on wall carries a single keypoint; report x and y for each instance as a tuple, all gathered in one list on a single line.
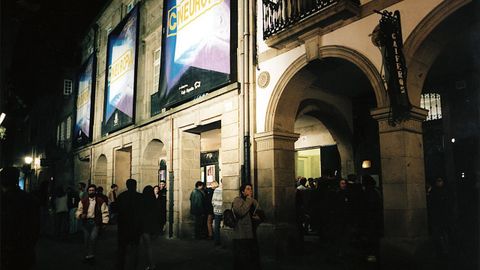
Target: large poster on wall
[(121, 77), (196, 55), (86, 87)]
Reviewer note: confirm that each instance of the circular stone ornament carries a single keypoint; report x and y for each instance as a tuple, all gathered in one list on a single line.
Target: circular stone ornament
[(263, 79)]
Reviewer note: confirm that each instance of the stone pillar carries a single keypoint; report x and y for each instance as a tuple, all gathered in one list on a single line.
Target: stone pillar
[(275, 189), (403, 180)]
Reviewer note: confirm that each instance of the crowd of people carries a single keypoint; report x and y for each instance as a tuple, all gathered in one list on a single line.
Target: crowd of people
[(206, 207), (342, 212)]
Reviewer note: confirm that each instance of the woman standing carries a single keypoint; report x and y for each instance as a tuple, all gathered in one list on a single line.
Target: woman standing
[(245, 246), (161, 197)]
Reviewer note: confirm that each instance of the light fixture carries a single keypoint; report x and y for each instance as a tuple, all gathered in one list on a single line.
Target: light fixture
[(366, 164), (453, 140), (28, 160), (2, 117)]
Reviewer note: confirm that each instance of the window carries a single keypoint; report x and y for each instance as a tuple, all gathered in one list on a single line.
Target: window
[(58, 134), (130, 6), (432, 103), (67, 87), (69, 128), (156, 70)]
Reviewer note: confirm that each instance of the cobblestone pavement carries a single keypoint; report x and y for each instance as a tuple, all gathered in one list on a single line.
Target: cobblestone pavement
[(183, 254)]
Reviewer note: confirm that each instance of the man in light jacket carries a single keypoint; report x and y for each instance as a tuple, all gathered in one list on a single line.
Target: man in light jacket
[(93, 212)]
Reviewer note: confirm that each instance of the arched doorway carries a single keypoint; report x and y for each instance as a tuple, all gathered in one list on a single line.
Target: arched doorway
[(449, 89), (151, 170), (322, 103), (100, 172)]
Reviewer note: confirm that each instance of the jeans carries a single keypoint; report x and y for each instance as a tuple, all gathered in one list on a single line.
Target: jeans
[(90, 234), (216, 228)]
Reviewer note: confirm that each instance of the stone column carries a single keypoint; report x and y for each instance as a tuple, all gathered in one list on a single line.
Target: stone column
[(275, 189), (403, 179)]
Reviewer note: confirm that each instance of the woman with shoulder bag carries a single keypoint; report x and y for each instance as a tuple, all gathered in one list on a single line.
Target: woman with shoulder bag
[(245, 246)]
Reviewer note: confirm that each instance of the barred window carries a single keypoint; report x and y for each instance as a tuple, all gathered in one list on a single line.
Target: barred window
[(432, 103), (67, 87)]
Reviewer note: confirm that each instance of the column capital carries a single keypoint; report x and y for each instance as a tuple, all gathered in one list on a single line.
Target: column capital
[(413, 124), (276, 140)]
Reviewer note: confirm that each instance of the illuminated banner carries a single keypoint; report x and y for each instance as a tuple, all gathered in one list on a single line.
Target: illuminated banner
[(120, 82), (83, 121), (196, 50)]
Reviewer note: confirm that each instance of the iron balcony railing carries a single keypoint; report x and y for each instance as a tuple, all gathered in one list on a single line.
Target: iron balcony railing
[(279, 15)]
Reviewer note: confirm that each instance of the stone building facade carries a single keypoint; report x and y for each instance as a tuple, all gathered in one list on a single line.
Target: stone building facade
[(310, 83)]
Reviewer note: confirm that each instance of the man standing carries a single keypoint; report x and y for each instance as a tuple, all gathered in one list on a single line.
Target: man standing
[(197, 209), (93, 212), (129, 222), (20, 223)]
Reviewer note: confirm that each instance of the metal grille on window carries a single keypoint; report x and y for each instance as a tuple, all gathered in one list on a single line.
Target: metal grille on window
[(156, 70), (67, 87), (432, 103)]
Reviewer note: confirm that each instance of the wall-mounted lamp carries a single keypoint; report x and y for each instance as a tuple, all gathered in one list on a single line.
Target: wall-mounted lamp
[(2, 117), (28, 160), (366, 164)]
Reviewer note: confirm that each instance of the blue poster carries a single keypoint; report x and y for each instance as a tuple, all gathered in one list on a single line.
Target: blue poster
[(83, 121), (196, 56), (121, 67)]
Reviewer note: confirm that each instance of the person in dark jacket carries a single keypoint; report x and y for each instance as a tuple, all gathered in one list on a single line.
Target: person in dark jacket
[(130, 226), (440, 203), (197, 209), (161, 197), (150, 217), (209, 209), (371, 219), (20, 223)]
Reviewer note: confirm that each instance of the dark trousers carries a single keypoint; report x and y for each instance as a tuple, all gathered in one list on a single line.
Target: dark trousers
[(216, 228), (246, 254), (200, 226)]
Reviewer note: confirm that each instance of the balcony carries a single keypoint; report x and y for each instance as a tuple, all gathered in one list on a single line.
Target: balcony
[(284, 20)]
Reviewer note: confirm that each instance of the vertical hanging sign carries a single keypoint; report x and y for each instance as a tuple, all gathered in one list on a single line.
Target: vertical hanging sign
[(86, 87), (121, 74), (388, 37)]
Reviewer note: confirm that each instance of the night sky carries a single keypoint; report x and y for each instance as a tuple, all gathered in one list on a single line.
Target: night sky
[(39, 41), (41, 38)]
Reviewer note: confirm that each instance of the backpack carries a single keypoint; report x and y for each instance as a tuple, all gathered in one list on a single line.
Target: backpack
[(229, 218)]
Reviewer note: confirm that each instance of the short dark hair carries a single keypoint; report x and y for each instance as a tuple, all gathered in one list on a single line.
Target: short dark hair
[(92, 186), (113, 186), (100, 189), (198, 184), (82, 184), (242, 187), (131, 184)]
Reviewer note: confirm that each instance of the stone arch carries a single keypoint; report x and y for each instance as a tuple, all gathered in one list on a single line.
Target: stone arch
[(100, 172), (336, 124), (281, 99), (426, 42), (152, 155)]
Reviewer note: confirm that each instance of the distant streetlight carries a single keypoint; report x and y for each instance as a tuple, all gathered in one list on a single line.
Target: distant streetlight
[(2, 117), (28, 160)]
